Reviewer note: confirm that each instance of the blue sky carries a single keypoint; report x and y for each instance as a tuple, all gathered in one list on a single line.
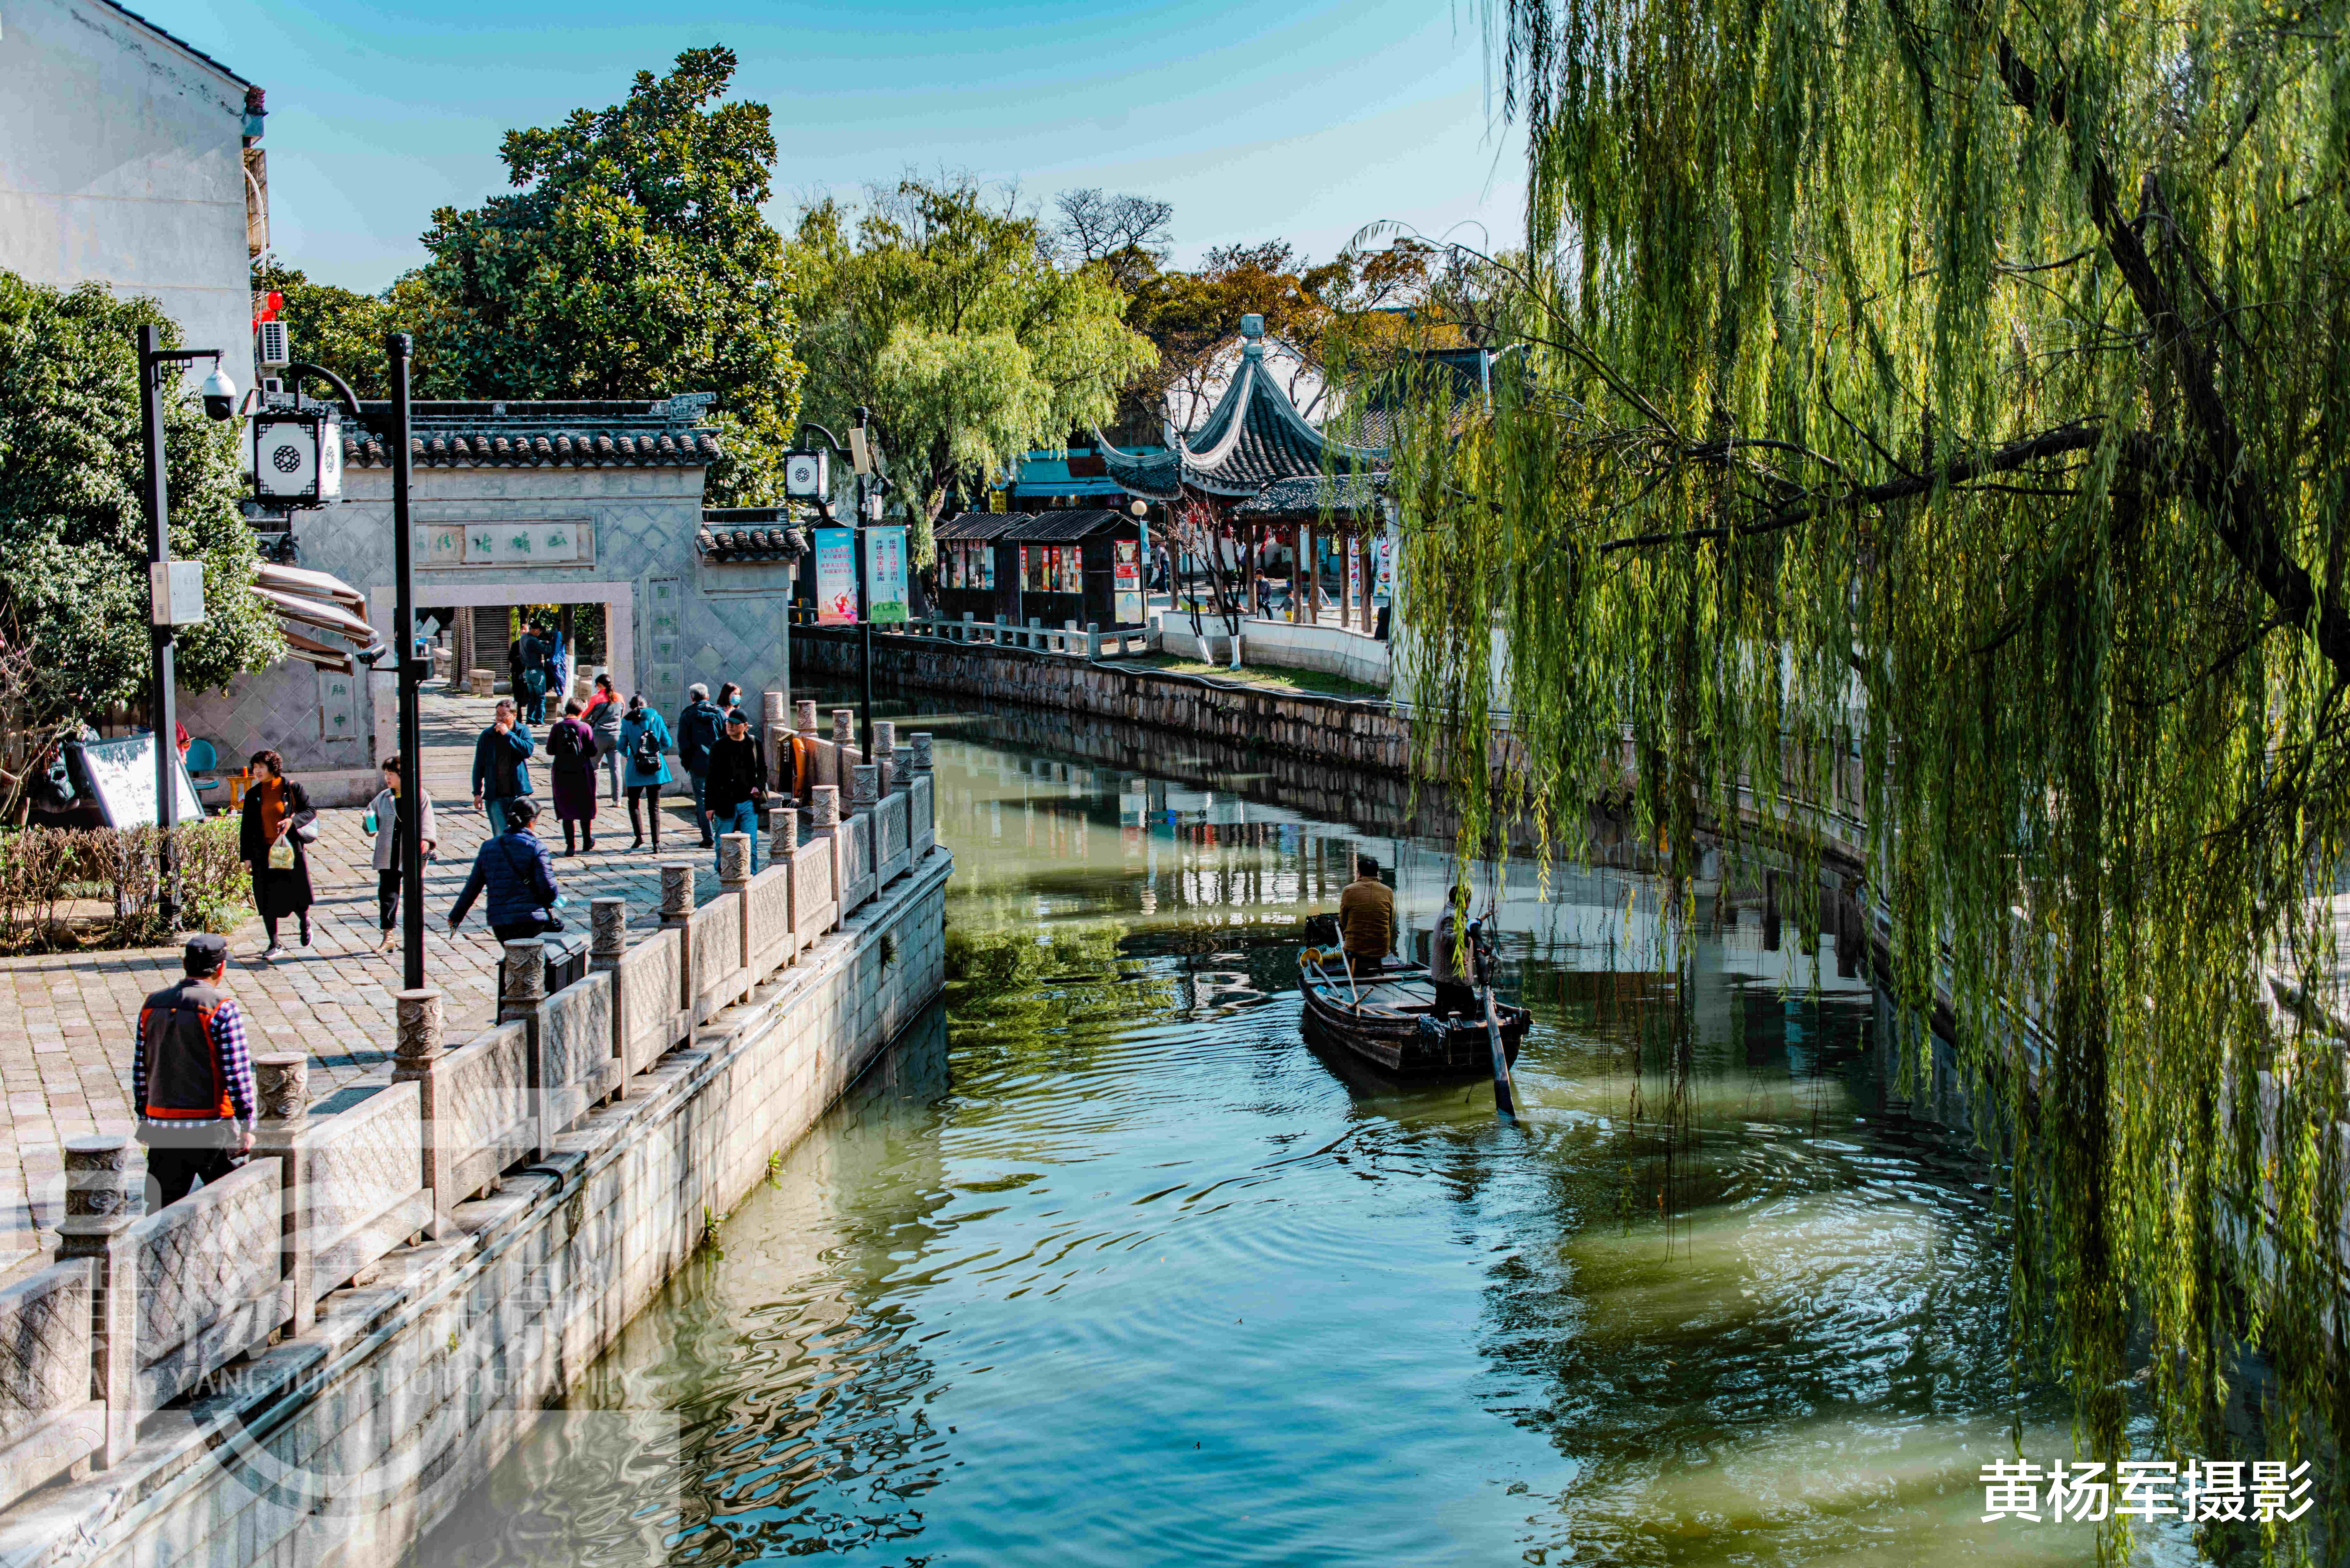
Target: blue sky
[(1256, 120)]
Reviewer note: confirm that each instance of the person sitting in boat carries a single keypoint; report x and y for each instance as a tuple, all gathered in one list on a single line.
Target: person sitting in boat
[(1366, 920), (1455, 997)]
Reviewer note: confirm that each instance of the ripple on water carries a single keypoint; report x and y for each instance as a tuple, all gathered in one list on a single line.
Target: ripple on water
[(1065, 1284)]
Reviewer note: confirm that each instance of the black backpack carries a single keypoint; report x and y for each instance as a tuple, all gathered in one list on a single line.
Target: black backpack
[(647, 755), (563, 743)]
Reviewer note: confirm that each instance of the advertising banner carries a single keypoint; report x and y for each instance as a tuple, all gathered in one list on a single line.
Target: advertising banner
[(1126, 583), (884, 574), (836, 576)]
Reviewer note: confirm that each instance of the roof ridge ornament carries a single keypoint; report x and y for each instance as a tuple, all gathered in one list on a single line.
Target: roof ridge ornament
[(1252, 336)]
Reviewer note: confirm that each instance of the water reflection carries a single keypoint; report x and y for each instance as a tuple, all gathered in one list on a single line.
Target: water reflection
[(1108, 1268)]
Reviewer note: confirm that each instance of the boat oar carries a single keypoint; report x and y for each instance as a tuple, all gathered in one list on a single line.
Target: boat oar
[(1505, 1095)]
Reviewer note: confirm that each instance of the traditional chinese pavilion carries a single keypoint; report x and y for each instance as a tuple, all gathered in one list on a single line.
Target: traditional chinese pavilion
[(1271, 480)]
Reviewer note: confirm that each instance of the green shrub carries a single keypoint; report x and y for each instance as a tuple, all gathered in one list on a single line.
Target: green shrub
[(43, 868)]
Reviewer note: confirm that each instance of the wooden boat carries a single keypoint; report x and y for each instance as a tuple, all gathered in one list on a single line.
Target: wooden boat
[(1382, 1021)]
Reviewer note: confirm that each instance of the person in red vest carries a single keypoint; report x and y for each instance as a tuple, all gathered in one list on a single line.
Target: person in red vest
[(191, 1077)]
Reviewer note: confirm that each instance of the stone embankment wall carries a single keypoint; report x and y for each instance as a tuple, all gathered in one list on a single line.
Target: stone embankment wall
[(1342, 733)]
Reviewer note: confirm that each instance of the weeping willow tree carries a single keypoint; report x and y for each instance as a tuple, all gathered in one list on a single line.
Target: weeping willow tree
[(1940, 407)]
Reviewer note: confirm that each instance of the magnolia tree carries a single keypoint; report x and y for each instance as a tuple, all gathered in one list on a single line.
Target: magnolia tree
[(941, 309)]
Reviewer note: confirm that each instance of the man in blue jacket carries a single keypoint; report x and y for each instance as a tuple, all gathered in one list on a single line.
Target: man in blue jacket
[(519, 876), (500, 774), (697, 731)]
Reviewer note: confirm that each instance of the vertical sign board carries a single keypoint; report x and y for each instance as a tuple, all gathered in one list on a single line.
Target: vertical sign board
[(884, 574), (1383, 591), (1127, 584), (338, 714), (664, 659), (836, 576)]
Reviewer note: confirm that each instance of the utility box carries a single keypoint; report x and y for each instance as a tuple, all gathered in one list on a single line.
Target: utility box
[(177, 591)]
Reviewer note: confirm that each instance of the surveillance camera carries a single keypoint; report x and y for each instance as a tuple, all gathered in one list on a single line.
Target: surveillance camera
[(373, 654), (218, 394)]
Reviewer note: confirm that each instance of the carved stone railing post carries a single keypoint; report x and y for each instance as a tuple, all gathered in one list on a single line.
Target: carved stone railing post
[(283, 1081), (865, 790), (522, 979), (803, 716), (677, 915), (902, 769), (885, 749), (783, 834), (96, 1226), (823, 822), (734, 861), (608, 944), (844, 725), (419, 1050), (922, 739), (607, 921)]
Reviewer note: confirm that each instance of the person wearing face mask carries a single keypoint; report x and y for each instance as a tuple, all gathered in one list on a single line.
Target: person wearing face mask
[(738, 782)]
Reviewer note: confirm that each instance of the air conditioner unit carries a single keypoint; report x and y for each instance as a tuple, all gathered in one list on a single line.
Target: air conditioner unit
[(806, 475), (277, 345)]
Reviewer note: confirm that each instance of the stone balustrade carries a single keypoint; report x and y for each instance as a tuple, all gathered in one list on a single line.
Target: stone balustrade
[(138, 1310)]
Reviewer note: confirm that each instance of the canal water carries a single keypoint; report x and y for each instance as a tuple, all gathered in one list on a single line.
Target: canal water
[(1103, 1265)]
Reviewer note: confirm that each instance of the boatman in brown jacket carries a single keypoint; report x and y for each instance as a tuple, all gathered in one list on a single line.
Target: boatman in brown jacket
[(191, 1077), (1367, 921)]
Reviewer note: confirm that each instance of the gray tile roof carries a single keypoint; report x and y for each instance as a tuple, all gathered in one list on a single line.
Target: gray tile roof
[(722, 544), (579, 433), (576, 434), (1254, 438), (1312, 495)]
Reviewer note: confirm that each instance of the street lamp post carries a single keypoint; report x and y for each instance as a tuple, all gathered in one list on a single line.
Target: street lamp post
[(864, 458), (155, 362), (397, 346)]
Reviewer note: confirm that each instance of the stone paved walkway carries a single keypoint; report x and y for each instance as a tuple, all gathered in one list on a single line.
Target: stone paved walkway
[(66, 1019)]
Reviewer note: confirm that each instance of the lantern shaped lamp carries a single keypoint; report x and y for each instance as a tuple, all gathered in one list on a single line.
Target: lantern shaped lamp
[(297, 456)]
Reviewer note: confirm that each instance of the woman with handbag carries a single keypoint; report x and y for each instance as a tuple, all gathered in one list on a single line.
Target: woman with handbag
[(382, 819), (644, 738), (273, 839)]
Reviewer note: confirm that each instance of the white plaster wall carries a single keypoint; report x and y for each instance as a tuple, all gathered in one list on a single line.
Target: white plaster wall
[(121, 162), (1280, 644), (644, 522)]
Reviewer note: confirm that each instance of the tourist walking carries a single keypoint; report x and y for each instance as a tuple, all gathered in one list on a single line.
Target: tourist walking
[(273, 840), (738, 782), (530, 677), (1454, 996), (192, 1076), (1367, 917), (697, 731), (571, 759), (500, 771), (515, 870), (644, 738), (382, 819), (603, 716)]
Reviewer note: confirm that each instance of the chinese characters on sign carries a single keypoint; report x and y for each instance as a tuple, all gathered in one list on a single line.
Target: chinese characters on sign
[(885, 573), (2249, 1490), (521, 543), (337, 705), (836, 576)]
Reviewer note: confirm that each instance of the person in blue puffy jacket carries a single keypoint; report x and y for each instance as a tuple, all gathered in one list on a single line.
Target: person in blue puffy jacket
[(644, 737)]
